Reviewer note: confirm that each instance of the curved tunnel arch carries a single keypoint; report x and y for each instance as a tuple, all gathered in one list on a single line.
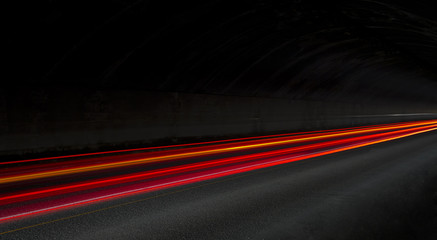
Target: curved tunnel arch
[(233, 49)]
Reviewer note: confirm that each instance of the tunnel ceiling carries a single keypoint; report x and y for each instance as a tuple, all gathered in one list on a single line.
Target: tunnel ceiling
[(310, 50)]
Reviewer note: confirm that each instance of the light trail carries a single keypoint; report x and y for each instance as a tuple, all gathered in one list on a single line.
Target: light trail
[(184, 168), (92, 161), (187, 154), (58, 196)]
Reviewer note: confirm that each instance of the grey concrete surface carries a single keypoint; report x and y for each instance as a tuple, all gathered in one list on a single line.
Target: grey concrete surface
[(384, 191)]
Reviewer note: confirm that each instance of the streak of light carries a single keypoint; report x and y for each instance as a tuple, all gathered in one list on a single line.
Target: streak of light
[(103, 166), (188, 167), (262, 161)]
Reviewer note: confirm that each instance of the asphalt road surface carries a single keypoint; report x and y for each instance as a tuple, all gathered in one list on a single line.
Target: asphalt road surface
[(382, 191)]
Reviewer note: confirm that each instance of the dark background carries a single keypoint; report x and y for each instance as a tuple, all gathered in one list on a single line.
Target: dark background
[(297, 49), (121, 73)]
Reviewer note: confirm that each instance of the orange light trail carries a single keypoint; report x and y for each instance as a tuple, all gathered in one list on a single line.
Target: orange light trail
[(294, 148), (53, 173), (190, 167)]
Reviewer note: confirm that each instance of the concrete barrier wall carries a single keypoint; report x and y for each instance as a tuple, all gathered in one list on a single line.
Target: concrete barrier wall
[(35, 121)]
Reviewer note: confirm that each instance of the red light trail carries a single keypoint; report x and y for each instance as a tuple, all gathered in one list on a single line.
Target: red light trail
[(212, 162)]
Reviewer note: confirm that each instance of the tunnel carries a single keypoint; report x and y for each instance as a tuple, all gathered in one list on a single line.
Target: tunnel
[(86, 77)]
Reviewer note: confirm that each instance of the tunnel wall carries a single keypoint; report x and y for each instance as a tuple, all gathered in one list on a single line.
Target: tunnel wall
[(38, 121)]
